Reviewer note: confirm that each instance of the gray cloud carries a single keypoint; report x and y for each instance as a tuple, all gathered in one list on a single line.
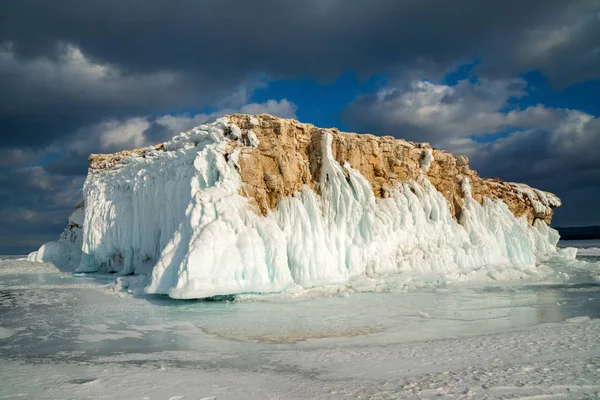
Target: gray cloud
[(448, 116), (228, 39), (117, 134), (67, 64), (35, 204), (424, 111), (44, 98), (559, 158)]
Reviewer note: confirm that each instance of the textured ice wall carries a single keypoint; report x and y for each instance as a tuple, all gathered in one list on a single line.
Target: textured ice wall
[(177, 215)]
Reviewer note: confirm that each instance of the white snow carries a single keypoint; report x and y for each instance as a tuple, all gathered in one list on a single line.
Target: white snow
[(543, 202), (177, 215), (254, 142), (426, 159)]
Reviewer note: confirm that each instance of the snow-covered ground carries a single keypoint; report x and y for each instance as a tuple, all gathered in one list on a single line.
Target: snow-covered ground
[(81, 336)]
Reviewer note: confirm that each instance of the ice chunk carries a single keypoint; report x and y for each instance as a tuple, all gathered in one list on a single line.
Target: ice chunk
[(254, 142), (62, 253), (578, 320)]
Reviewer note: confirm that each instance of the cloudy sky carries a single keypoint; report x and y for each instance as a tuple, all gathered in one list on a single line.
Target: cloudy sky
[(513, 84)]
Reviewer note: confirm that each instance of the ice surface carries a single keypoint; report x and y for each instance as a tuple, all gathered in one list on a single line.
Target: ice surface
[(72, 338), (177, 216)]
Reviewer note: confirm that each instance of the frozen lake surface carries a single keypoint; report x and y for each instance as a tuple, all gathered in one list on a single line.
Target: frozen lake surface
[(81, 336)]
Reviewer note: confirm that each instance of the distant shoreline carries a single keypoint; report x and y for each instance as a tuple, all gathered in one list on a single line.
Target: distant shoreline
[(579, 233)]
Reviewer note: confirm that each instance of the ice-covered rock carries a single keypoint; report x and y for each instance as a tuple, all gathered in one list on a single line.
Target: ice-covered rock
[(65, 252), (260, 204)]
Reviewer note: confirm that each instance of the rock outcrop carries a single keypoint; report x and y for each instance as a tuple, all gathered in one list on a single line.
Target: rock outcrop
[(277, 156), (259, 204)]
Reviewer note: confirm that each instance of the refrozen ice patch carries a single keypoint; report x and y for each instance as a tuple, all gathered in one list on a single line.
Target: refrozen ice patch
[(235, 132), (76, 217), (6, 333)]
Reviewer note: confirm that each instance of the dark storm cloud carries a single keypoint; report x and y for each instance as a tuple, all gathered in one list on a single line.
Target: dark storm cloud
[(561, 160), (72, 62), (43, 98), (35, 206), (227, 39)]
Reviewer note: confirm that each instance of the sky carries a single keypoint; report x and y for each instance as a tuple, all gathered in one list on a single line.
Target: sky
[(514, 85)]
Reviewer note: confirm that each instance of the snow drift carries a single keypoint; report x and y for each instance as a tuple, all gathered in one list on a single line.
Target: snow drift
[(220, 210)]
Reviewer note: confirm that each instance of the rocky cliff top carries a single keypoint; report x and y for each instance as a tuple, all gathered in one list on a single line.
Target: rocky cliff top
[(277, 156)]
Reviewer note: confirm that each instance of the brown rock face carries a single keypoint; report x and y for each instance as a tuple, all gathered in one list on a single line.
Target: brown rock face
[(289, 155)]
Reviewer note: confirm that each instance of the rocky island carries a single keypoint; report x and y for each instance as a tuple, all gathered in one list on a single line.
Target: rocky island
[(264, 204)]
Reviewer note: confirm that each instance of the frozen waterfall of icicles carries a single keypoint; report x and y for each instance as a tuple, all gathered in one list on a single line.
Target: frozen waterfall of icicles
[(176, 215)]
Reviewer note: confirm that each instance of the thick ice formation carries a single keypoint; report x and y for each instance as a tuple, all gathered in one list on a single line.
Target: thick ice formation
[(177, 214)]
